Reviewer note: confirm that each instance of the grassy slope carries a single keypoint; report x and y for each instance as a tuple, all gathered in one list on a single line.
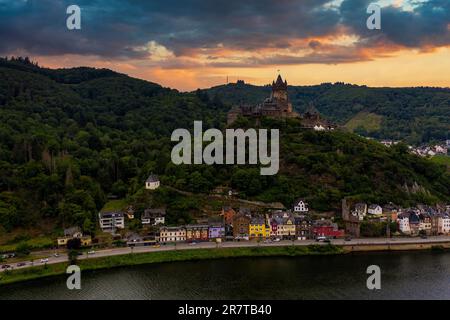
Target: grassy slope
[(369, 121), (443, 160)]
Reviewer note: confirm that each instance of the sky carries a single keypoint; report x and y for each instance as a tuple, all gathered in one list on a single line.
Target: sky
[(189, 44)]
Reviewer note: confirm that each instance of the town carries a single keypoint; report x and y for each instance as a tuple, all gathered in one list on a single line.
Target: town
[(271, 225)]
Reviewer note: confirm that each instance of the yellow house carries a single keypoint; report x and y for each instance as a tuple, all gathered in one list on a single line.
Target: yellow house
[(258, 228), (86, 241)]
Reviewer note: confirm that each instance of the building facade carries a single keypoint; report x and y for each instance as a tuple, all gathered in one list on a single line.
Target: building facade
[(110, 221), (197, 232), (258, 228), (172, 234), (152, 182), (241, 224)]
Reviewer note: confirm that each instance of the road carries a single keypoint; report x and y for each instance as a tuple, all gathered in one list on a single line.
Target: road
[(209, 245)]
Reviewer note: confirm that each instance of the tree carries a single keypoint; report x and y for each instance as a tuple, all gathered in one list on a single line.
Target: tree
[(23, 249), (73, 256), (74, 244)]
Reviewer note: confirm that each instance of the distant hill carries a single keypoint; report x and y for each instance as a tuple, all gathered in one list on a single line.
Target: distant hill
[(415, 115), (72, 137)]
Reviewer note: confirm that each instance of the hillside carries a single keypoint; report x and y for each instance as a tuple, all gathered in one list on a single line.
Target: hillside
[(415, 115), (72, 137)]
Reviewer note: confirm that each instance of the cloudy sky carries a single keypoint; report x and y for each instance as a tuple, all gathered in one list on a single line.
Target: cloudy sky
[(188, 44)]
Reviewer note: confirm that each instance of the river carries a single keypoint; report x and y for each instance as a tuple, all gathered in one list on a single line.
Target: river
[(404, 275)]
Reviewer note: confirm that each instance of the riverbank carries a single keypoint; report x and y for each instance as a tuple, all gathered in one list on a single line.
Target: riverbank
[(31, 273), (119, 257)]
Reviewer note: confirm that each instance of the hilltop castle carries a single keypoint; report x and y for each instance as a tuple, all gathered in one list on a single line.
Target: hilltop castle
[(279, 106), (276, 106)]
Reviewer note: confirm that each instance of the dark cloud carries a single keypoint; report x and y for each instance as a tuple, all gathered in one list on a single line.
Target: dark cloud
[(118, 28), (427, 25)]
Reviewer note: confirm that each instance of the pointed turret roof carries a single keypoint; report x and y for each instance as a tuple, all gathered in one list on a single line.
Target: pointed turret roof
[(279, 83), (279, 80)]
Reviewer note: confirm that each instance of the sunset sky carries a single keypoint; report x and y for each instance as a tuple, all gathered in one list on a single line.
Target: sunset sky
[(187, 44)]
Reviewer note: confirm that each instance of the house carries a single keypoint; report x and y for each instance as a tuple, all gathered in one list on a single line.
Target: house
[(425, 223), (414, 222), (283, 226), (135, 240), (229, 233), (153, 217), (152, 182), (111, 220), (228, 213), (258, 228), (435, 218), (197, 232), (303, 227), (403, 223), (390, 211), (360, 210), (375, 209), (216, 231), (300, 206), (326, 228), (72, 233), (241, 223), (172, 234), (444, 224)]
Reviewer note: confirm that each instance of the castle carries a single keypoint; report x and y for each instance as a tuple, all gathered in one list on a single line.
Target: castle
[(276, 106), (279, 106)]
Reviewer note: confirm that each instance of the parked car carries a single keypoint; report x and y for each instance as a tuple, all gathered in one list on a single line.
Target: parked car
[(6, 266), (348, 238), (321, 239), (276, 240), (21, 264), (91, 252), (44, 260)]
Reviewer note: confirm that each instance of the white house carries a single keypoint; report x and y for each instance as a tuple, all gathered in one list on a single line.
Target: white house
[(153, 216), (301, 206), (375, 209), (403, 224), (444, 225), (172, 234), (110, 221), (152, 182)]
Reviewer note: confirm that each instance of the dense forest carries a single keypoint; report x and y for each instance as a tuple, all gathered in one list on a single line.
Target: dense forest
[(71, 138), (414, 115)]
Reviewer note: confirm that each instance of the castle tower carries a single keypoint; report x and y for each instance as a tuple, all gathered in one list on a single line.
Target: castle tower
[(279, 90)]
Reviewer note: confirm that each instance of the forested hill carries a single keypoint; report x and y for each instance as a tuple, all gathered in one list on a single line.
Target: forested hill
[(415, 115), (71, 137)]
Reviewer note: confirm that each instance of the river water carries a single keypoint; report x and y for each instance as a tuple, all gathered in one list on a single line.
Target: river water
[(404, 275)]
